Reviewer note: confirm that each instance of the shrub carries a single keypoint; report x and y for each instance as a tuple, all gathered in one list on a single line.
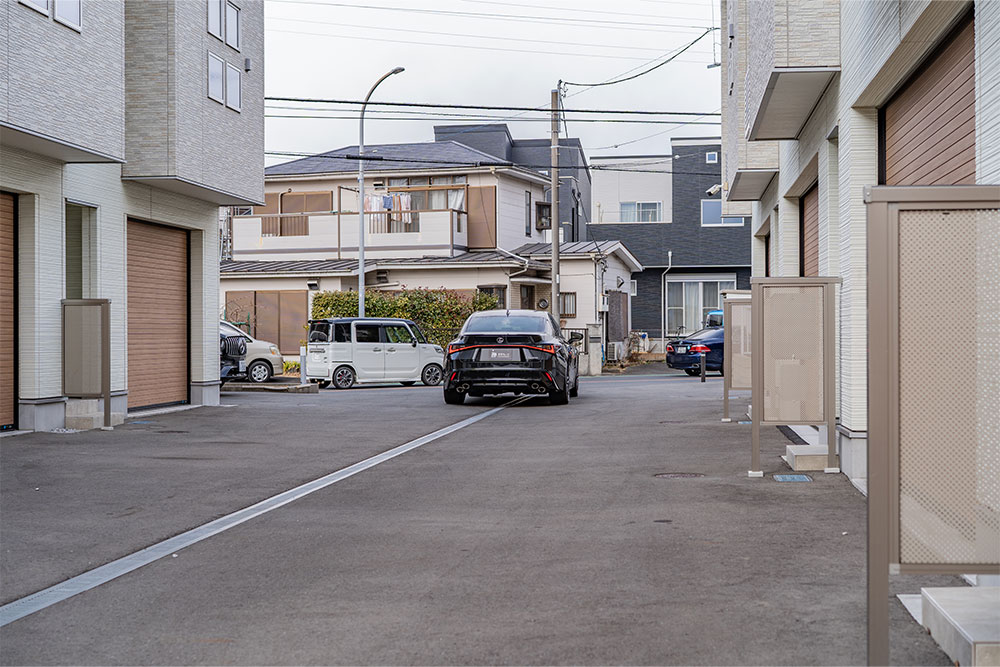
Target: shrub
[(439, 312)]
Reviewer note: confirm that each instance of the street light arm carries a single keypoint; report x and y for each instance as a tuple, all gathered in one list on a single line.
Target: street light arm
[(368, 97)]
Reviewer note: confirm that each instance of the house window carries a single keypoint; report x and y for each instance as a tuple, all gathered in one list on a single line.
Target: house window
[(527, 297), (567, 304), (633, 287), (234, 88), (712, 158), (690, 301), (711, 212), (732, 221), (640, 211), (527, 213), (543, 215), (233, 25), (38, 5), (215, 18), (499, 291), (69, 12), (216, 75), (431, 193)]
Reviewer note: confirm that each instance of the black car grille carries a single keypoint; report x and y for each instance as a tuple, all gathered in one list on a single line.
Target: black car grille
[(234, 346)]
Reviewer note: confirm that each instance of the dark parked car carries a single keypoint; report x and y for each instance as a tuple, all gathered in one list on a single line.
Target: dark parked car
[(685, 354), (512, 351), (232, 357)]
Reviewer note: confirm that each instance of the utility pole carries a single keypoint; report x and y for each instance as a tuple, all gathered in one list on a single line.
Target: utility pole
[(554, 213)]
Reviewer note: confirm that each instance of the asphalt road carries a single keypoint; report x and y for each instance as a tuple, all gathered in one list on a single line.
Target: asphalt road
[(537, 535)]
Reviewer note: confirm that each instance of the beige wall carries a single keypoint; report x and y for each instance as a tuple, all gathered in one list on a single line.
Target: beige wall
[(610, 188)]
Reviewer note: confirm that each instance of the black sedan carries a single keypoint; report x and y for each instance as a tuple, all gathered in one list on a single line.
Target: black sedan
[(685, 354), (512, 351)]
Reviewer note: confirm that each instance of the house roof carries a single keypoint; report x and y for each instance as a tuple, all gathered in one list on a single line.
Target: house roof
[(350, 266), (390, 157), (582, 249)]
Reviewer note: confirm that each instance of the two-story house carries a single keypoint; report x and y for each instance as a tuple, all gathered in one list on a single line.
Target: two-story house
[(667, 210), (123, 128), (822, 99), (535, 154)]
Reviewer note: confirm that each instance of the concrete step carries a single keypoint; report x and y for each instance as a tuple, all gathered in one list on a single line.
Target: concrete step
[(965, 622), (805, 457), (287, 387)]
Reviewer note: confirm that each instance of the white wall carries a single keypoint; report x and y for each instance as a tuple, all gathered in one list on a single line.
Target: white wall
[(510, 212), (609, 188)]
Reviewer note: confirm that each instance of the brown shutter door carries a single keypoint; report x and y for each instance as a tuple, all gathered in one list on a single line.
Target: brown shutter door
[(930, 127), (268, 317), (482, 208), (810, 232), (8, 345), (292, 309), (157, 315)]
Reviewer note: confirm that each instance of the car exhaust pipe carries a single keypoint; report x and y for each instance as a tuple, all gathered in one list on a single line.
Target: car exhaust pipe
[(537, 388), (462, 388)]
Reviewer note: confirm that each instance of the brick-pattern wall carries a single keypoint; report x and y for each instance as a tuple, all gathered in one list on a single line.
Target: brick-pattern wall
[(62, 83)]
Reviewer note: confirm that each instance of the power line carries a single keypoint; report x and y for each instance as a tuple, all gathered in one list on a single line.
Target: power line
[(452, 35), (453, 46), (577, 10), (654, 67), (635, 141), (518, 18), (489, 120), (483, 163), (428, 105)]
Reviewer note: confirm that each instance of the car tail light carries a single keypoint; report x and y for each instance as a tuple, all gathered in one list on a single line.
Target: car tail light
[(703, 349), (670, 348), (551, 349), (452, 347)]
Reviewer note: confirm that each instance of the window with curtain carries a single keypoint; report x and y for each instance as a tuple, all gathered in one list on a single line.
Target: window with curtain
[(567, 304), (432, 192), (690, 301), (640, 211)]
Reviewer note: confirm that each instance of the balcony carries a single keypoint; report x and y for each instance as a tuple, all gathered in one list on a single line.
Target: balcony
[(793, 52), (388, 234)]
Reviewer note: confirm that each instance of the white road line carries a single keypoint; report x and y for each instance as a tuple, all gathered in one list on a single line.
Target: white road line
[(22, 607)]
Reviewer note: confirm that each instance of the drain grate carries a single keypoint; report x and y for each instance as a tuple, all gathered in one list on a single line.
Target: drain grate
[(792, 478), (678, 475)]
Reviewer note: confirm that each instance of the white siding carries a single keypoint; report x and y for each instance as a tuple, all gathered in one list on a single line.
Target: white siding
[(610, 188)]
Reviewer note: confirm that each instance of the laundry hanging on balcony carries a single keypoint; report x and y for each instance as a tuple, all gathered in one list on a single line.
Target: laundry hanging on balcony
[(391, 214)]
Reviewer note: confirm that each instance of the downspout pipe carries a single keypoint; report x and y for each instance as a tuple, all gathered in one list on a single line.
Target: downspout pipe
[(663, 302)]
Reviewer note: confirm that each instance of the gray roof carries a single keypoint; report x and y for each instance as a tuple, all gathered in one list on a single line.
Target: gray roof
[(321, 266), (395, 157), (571, 248)]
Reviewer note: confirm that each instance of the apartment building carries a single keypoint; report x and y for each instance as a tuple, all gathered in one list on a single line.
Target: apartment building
[(123, 128), (668, 210), (822, 99), (536, 154)]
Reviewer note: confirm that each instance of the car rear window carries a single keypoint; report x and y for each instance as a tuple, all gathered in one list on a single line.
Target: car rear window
[(319, 332), (494, 323)]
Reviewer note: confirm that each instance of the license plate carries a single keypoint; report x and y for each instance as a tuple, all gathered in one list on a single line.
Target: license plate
[(500, 354), (243, 365), (682, 349)]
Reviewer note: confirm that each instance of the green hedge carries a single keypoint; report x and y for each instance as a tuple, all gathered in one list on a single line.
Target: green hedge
[(439, 312)]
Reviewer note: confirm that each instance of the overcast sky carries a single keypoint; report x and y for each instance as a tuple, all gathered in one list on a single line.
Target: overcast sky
[(336, 49)]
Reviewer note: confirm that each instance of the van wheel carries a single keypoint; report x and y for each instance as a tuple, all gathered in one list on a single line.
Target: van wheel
[(454, 397), (259, 371), (432, 375), (343, 377)]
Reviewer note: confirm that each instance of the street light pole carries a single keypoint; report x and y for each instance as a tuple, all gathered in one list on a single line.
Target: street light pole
[(554, 213), (361, 194)]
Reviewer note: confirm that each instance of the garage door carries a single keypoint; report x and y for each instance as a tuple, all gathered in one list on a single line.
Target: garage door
[(8, 351), (157, 315), (809, 232), (930, 127)]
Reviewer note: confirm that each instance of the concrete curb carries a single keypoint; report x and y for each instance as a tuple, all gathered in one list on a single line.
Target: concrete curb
[(283, 387)]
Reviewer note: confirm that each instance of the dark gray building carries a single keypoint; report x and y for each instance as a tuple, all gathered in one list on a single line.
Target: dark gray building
[(574, 172), (667, 209)]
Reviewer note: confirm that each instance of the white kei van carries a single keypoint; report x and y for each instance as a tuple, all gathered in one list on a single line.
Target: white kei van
[(346, 350)]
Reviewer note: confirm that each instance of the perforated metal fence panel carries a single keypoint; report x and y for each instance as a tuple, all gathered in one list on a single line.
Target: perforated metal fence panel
[(738, 345), (793, 353), (949, 413)]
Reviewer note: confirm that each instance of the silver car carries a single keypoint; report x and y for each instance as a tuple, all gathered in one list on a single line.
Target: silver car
[(263, 359)]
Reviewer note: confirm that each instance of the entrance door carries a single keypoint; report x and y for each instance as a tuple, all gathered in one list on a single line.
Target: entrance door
[(8, 321), (402, 357), (157, 265), (369, 352)]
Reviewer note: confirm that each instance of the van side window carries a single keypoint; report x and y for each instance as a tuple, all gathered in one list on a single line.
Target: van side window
[(342, 332), (367, 333), (397, 333)]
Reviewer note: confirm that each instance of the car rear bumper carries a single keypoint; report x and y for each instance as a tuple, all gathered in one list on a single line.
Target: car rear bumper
[(502, 379), (688, 361)]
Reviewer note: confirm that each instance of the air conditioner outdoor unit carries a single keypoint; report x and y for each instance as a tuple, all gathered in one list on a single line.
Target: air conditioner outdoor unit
[(603, 307), (612, 352)]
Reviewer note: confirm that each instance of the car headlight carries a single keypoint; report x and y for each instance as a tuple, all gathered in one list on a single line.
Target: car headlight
[(274, 350)]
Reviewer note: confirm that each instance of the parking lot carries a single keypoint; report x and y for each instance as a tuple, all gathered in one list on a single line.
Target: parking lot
[(536, 535)]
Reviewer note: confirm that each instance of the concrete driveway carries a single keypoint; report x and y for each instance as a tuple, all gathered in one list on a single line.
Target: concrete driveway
[(537, 535)]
